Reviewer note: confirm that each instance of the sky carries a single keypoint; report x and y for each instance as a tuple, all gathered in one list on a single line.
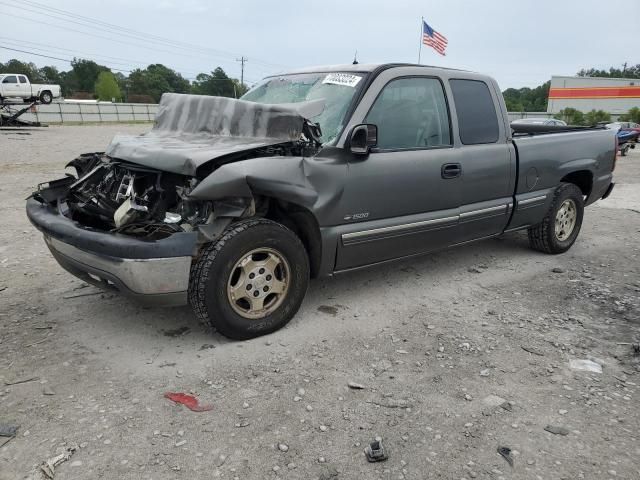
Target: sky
[(519, 42)]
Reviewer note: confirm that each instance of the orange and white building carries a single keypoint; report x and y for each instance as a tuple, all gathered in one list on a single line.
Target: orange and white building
[(613, 95)]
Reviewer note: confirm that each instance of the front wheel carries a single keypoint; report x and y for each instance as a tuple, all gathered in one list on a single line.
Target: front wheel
[(251, 281), (560, 227)]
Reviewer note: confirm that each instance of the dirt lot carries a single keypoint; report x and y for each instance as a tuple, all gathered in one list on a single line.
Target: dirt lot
[(438, 343)]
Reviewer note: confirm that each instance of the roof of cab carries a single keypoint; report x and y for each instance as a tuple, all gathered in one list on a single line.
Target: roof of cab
[(358, 68)]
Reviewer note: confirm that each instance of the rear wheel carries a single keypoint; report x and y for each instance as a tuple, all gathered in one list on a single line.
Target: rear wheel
[(46, 97), (251, 281), (560, 227)]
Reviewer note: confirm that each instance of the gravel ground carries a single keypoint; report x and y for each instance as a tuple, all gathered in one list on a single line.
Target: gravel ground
[(458, 353)]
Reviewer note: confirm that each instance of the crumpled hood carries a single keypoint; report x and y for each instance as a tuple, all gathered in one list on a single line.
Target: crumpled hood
[(191, 130)]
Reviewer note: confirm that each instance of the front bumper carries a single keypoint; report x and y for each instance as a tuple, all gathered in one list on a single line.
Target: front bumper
[(154, 272)]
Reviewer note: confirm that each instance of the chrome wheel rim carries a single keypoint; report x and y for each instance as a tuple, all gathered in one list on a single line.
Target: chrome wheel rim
[(258, 283), (566, 219)]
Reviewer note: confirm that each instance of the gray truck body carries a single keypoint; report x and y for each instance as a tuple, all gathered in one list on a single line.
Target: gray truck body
[(350, 210)]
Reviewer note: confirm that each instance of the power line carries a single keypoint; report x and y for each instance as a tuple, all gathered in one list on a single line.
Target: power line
[(142, 36), (54, 58), (111, 68), (113, 60), (65, 28)]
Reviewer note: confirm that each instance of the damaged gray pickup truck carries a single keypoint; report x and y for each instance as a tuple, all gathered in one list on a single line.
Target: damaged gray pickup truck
[(232, 205)]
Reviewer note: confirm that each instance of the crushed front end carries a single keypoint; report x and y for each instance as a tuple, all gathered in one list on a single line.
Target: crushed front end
[(121, 226), (132, 219)]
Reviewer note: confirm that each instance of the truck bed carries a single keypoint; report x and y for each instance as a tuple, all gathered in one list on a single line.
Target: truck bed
[(547, 156)]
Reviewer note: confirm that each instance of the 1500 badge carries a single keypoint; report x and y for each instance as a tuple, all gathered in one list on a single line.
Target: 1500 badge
[(357, 216)]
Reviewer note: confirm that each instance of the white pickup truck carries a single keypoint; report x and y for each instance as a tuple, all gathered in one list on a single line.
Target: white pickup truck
[(13, 85)]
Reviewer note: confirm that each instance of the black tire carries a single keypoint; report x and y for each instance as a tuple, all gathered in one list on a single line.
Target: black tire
[(623, 151), (210, 275), (46, 97), (543, 236)]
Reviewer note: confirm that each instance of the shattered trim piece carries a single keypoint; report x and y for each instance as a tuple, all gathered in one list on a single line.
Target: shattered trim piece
[(189, 401), (49, 467)]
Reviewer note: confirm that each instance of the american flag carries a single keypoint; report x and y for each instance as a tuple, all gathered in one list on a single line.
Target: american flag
[(433, 39)]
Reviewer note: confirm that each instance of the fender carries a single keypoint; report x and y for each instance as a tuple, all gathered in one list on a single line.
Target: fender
[(589, 164), (315, 183)]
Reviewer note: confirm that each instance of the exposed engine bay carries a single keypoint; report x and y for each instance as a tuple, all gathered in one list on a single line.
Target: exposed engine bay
[(126, 198)]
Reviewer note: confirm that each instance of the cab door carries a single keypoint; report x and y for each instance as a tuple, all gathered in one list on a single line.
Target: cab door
[(24, 86), (10, 86), (403, 198), (487, 160)]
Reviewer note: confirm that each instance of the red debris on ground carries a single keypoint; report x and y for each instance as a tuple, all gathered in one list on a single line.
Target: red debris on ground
[(188, 401)]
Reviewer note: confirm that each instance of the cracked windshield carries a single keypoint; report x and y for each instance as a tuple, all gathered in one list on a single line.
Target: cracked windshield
[(336, 89)]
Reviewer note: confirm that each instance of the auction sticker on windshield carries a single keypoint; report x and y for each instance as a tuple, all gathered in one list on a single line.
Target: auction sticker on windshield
[(345, 79)]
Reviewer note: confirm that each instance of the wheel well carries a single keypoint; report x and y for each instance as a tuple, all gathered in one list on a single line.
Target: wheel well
[(583, 179), (304, 224)]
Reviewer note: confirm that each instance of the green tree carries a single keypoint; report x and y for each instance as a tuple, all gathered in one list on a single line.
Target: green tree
[(50, 74), (527, 99), (22, 68), (216, 83), (83, 75), (632, 116), (632, 71), (595, 116), (571, 116), (155, 80), (107, 87)]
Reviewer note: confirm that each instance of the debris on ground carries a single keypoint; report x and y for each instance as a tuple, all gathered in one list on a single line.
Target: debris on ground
[(7, 430), (177, 332), (49, 467), (558, 270), (532, 350), (355, 386), (328, 309), (88, 294), (505, 452), (493, 401), (634, 346), (21, 380), (188, 401), (556, 430), (375, 451), (585, 365)]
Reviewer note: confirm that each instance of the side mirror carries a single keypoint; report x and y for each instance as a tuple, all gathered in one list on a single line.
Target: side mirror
[(363, 138)]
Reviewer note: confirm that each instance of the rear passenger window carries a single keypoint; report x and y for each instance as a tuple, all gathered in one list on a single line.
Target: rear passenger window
[(23, 79), (477, 119), (411, 113)]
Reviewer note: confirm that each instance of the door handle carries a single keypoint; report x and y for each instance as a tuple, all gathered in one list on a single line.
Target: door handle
[(451, 170)]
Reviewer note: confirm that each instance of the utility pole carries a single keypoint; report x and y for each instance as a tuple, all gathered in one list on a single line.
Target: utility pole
[(242, 61)]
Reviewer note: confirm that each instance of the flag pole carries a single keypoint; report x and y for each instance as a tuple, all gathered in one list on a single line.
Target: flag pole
[(421, 33)]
